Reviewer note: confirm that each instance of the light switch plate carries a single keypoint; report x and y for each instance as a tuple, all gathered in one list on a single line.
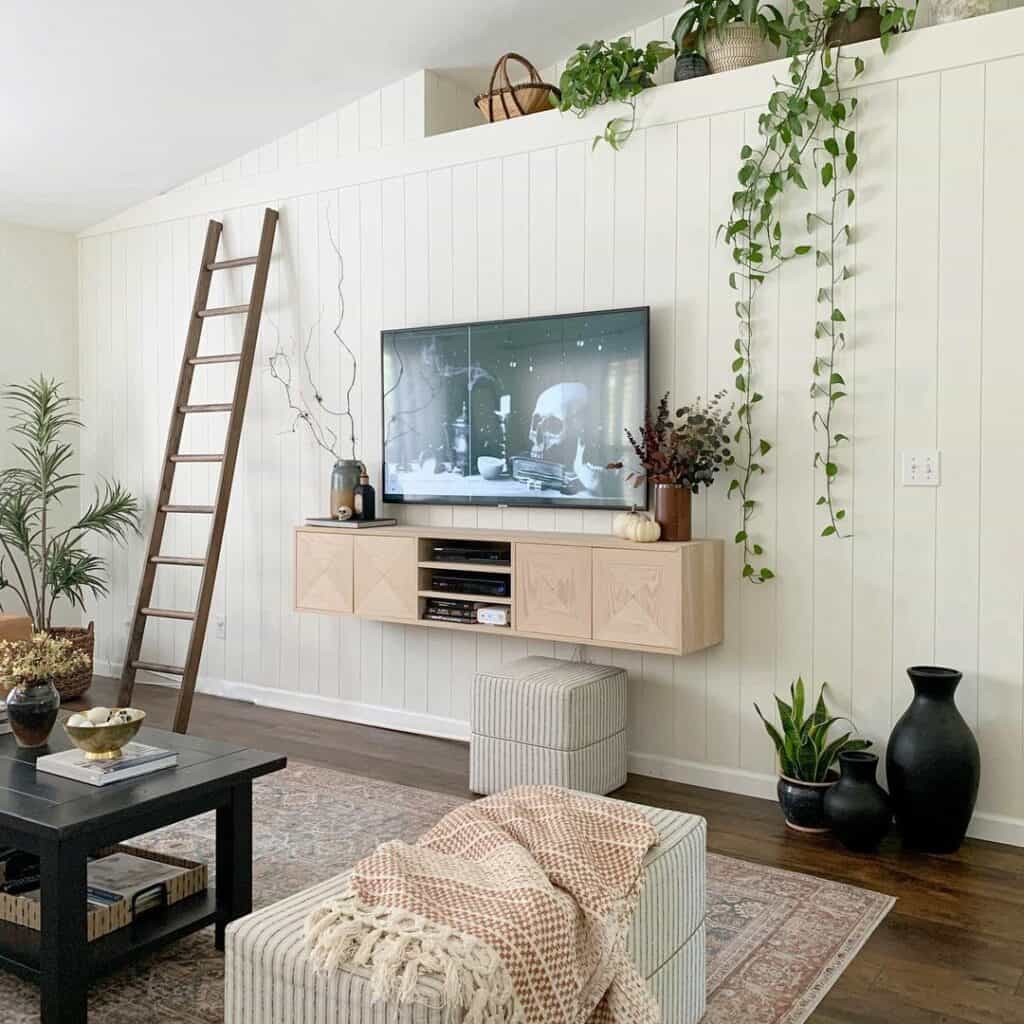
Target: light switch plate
[(921, 467)]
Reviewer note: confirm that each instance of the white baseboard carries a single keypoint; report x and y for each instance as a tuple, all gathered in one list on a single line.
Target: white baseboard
[(995, 828)]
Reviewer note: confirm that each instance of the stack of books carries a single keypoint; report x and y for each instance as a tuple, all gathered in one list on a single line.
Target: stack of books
[(440, 609), (136, 759), (5, 725)]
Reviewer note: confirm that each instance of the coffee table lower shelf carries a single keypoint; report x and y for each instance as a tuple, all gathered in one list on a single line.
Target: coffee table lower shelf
[(19, 946)]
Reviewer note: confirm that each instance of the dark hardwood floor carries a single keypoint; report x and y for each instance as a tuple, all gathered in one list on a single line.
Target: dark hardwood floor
[(950, 952)]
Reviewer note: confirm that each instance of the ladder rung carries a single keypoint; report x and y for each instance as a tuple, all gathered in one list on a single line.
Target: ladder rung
[(224, 310), (228, 357), (176, 560), (212, 457), (167, 613), (244, 261), (217, 407), (154, 666), (193, 510)]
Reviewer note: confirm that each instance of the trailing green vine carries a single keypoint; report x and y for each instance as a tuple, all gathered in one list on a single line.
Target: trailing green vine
[(806, 123)]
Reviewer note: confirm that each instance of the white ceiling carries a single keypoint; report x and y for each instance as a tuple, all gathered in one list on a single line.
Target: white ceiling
[(105, 103)]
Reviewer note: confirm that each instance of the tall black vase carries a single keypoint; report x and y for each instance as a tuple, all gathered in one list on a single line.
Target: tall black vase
[(856, 807), (933, 764)]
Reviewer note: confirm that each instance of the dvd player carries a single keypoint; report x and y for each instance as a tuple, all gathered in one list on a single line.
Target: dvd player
[(470, 583)]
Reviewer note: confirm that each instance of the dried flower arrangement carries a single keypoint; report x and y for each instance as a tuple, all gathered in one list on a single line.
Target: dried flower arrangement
[(688, 449), (42, 657)]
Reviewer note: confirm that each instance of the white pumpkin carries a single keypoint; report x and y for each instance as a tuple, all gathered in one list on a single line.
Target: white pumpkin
[(623, 523), (643, 530)]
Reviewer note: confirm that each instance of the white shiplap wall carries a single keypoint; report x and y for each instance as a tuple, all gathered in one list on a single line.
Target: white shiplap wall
[(526, 218)]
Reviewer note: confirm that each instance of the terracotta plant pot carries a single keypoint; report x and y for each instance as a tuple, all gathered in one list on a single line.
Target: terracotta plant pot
[(672, 503), (734, 46), (803, 803), (867, 25)]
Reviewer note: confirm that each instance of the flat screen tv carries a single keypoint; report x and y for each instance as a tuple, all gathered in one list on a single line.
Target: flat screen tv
[(515, 412)]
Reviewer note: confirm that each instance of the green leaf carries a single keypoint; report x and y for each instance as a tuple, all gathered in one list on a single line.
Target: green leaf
[(836, 378), (831, 469), (767, 574), (827, 174), (740, 537), (828, 531), (764, 447), (851, 161), (832, 147), (802, 250)]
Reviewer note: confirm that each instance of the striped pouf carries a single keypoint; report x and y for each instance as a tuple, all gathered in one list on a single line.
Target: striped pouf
[(541, 721), (269, 978)]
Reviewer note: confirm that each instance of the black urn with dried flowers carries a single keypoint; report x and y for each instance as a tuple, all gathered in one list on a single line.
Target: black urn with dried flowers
[(678, 455), (30, 668)]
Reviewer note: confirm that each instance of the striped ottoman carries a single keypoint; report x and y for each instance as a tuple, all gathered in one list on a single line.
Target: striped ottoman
[(541, 721), (269, 978)]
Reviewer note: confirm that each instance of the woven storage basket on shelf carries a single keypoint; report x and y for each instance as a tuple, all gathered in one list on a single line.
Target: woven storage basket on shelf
[(83, 641), (734, 46), (504, 100)]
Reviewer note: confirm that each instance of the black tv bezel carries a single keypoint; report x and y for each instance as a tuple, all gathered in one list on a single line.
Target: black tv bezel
[(641, 493)]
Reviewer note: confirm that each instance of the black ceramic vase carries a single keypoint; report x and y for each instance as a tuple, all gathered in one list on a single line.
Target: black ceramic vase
[(690, 64), (933, 764), (803, 803), (856, 807)]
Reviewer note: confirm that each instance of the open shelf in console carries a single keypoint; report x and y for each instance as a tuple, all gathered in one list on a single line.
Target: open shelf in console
[(468, 553)]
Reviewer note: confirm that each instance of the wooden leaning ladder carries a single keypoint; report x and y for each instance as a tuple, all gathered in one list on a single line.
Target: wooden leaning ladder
[(200, 615)]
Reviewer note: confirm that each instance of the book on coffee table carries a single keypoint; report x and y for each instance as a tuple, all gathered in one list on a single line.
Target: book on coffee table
[(349, 524), (136, 759)]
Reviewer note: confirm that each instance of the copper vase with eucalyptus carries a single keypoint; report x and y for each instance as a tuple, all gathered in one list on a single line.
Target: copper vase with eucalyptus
[(677, 455), (672, 504)]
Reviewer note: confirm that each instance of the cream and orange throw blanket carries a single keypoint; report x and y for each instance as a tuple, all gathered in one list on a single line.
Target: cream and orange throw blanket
[(519, 904)]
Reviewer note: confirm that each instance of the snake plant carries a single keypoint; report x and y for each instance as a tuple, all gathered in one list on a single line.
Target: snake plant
[(803, 745)]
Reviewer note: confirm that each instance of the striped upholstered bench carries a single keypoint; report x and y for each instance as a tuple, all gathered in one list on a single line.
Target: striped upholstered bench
[(269, 978), (543, 721)]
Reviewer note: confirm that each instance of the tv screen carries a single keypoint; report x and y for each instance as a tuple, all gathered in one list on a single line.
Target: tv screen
[(515, 412)]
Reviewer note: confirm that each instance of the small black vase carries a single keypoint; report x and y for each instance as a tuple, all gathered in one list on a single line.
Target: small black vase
[(933, 764), (690, 65), (856, 807)]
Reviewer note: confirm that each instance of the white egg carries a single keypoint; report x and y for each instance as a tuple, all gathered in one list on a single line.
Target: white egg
[(77, 720), (98, 716)]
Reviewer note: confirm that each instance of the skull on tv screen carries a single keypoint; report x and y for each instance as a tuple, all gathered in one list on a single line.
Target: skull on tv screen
[(557, 423)]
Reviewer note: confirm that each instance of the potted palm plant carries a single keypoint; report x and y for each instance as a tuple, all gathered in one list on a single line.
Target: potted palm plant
[(806, 756), (730, 34), (44, 557)]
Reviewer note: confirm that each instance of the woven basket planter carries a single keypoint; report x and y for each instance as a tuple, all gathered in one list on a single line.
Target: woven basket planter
[(83, 641), (504, 99), (734, 46)]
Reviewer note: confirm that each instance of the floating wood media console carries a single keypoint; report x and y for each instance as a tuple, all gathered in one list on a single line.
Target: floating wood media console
[(663, 598)]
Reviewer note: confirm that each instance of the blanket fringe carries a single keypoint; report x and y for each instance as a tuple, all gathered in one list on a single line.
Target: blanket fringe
[(398, 948)]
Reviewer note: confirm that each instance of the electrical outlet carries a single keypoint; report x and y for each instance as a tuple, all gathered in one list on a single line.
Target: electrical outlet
[(921, 467), (220, 627)]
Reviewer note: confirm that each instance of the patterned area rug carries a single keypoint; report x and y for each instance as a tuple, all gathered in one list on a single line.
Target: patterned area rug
[(777, 941)]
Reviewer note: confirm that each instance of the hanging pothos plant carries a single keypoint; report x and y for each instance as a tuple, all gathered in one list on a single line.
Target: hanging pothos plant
[(805, 133)]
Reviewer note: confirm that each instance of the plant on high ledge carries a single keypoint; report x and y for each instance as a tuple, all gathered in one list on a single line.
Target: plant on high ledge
[(806, 755), (729, 34), (806, 132), (601, 72)]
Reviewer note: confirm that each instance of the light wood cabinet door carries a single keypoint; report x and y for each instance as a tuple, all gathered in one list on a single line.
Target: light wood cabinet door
[(637, 596), (552, 590), (385, 577), (323, 573)]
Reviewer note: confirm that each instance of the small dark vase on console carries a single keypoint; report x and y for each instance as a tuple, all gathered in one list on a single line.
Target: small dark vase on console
[(933, 764), (856, 807)]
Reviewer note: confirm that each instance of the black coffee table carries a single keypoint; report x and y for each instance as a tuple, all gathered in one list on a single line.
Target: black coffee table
[(64, 821)]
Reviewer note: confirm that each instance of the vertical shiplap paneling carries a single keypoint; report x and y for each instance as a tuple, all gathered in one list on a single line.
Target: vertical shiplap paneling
[(917, 241), (758, 607), (694, 238), (958, 399), (370, 317), (393, 213), (723, 702), (1000, 703), (337, 673), (874, 410), (573, 228)]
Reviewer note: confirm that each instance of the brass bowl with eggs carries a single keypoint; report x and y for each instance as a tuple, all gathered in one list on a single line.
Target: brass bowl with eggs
[(102, 732)]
